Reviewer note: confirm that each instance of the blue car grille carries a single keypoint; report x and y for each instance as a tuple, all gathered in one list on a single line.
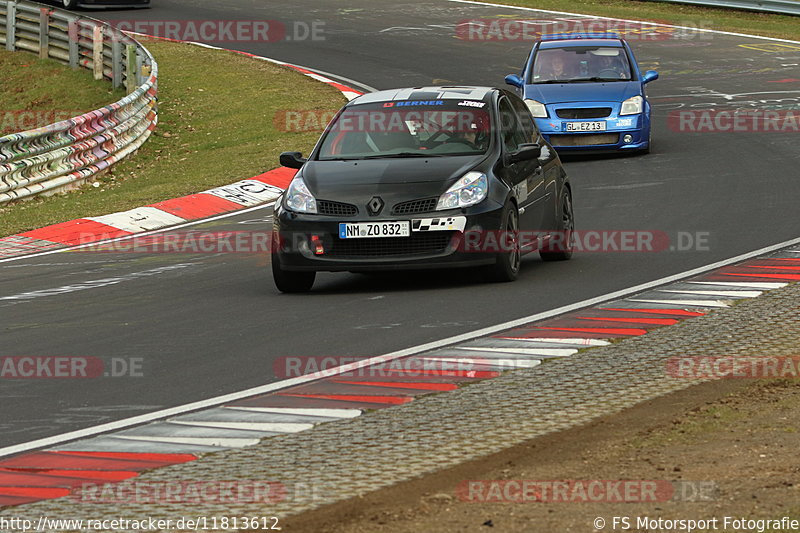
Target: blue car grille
[(583, 112), (584, 139)]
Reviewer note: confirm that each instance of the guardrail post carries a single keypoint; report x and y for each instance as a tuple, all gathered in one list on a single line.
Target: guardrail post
[(11, 26), (116, 61), (44, 33), (97, 49), (132, 76), (74, 33)]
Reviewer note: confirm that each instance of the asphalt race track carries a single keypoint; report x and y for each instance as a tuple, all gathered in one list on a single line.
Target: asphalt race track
[(215, 324)]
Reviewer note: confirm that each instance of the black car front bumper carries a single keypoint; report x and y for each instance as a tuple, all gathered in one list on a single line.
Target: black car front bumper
[(311, 242)]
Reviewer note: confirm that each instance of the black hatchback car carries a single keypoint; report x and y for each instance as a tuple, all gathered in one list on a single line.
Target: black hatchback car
[(428, 177)]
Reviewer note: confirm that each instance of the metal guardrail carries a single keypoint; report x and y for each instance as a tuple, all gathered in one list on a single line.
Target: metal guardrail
[(784, 7), (60, 156)]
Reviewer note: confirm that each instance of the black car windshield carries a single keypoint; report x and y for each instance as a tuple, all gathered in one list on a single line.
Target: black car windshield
[(408, 128), (576, 64)]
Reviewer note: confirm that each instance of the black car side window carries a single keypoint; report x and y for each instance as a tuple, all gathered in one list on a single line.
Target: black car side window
[(525, 120), (510, 129)]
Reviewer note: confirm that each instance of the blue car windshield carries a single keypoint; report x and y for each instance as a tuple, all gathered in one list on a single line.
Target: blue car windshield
[(397, 129), (576, 64)]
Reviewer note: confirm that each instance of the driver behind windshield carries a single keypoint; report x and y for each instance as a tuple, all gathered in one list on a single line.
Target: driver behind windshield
[(608, 66), (472, 133)]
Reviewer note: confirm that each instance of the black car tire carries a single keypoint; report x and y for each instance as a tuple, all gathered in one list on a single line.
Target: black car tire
[(287, 281), (69, 4), (563, 247), (507, 265)]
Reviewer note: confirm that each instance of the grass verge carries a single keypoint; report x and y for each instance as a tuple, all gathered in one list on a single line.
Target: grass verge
[(36, 92), (768, 25), (216, 126)]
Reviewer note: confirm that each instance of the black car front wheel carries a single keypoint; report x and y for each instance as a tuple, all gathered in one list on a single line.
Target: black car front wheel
[(562, 242), (69, 4), (506, 267), (288, 281)]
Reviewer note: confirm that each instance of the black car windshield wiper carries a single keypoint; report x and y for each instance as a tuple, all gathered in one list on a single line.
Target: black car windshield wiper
[(401, 154)]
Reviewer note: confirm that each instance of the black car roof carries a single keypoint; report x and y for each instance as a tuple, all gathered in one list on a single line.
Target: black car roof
[(427, 93)]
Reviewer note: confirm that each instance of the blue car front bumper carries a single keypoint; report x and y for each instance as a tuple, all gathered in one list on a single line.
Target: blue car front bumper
[(608, 132)]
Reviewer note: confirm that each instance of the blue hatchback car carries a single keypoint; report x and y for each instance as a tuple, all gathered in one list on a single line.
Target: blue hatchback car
[(586, 93)]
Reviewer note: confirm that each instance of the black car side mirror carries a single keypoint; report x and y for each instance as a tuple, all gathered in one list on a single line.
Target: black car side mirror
[(526, 152), (292, 159)]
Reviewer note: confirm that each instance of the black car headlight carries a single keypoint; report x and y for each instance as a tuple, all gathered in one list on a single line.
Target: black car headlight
[(471, 189), (299, 198)]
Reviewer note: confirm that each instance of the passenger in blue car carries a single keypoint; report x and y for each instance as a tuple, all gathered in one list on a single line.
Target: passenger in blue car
[(552, 67)]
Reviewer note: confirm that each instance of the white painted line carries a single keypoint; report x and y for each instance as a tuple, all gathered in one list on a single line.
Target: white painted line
[(576, 342), (247, 192), (138, 235), (305, 411), (508, 363), (271, 387), (277, 62), (679, 303), (139, 219), (198, 441), (557, 352), (271, 427), (91, 284), (624, 20), (745, 285), (732, 294)]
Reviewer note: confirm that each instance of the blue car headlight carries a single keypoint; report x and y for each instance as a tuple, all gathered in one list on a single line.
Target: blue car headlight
[(538, 110), (299, 198), (469, 190), (632, 106)]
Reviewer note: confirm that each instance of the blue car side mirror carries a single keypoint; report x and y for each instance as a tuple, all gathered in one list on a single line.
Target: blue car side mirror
[(516, 81), (649, 76)]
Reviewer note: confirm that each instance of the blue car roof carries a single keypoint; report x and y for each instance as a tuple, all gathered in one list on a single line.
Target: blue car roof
[(558, 40)]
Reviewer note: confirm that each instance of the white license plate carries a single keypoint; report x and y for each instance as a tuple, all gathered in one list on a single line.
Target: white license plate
[(367, 230), (599, 125)]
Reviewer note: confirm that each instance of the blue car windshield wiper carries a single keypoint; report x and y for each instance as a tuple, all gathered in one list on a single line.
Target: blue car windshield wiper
[(594, 79)]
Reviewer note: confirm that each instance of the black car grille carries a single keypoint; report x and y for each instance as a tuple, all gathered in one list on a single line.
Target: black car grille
[(415, 206), (419, 243), (584, 112), (338, 209), (584, 139)]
